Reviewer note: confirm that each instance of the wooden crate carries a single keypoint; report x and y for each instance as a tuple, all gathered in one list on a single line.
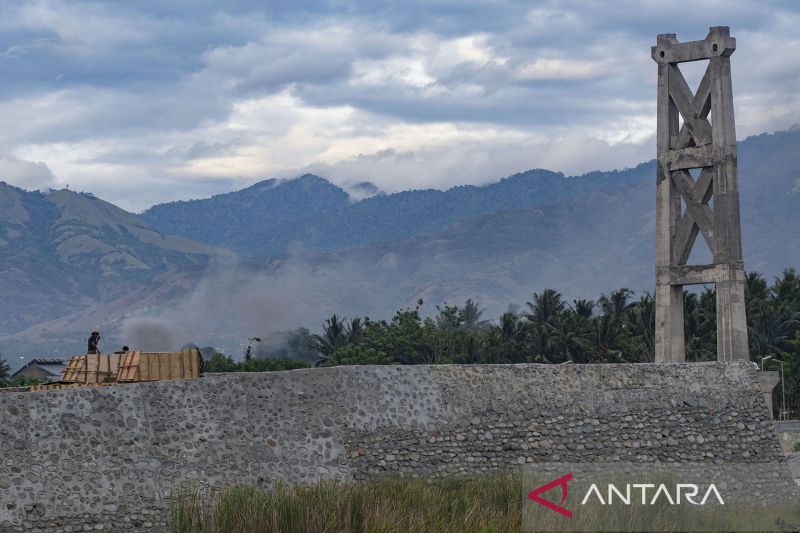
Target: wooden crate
[(159, 366)]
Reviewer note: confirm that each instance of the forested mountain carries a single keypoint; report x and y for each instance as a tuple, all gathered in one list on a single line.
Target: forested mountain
[(61, 252), (261, 220), (71, 262), (268, 217), (583, 240), (271, 218)]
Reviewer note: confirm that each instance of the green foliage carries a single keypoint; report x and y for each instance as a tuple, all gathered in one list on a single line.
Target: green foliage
[(219, 362), (26, 381), (475, 504), (271, 365), (616, 328), (335, 334), (354, 354), (773, 324), (5, 372)]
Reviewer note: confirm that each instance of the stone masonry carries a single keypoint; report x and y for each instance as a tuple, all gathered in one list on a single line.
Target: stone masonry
[(111, 458)]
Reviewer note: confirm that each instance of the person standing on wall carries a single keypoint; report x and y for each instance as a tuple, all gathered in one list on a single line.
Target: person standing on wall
[(94, 343)]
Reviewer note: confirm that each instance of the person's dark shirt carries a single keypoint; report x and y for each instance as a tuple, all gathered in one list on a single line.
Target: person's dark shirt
[(93, 344)]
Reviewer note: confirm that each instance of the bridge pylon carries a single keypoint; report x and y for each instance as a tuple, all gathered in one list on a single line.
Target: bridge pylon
[(696, 135)]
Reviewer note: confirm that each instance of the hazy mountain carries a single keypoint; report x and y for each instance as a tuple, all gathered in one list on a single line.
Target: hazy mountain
[(61, 252), (311, 214), (261, 220), (498, 243), (72, 262)]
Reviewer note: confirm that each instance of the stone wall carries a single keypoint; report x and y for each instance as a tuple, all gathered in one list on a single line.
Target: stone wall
[(112, 457), (788, 434)]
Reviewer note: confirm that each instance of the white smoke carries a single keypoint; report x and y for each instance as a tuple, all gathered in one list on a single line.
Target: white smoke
[(235, 302)]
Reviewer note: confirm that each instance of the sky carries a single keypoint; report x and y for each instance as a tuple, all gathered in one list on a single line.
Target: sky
[(142, 102)]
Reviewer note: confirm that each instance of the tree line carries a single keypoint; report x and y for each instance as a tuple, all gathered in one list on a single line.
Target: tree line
[(618, 327)]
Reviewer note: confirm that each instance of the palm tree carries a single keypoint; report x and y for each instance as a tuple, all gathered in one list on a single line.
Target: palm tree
[(755, 287), (787, 288), (5, 372), (470, 315), (772, 325), (535, 341), (334, 336), (640, 321), (606, 340), (616, 303), (568, 338), (509, 327), (584, 308), (510, 338), (545, 306), (699, 326), (355, 330)]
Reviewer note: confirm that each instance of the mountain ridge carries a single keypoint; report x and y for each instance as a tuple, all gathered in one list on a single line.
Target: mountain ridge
[(73, 262), (62, 251), (377, 218)]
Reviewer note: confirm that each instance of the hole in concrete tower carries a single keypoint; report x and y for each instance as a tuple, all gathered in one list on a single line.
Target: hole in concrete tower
[(700, 322), (701, 253), (693, 72)]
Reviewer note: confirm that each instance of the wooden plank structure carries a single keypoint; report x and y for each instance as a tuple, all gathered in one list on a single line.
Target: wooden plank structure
[(706, 141), (158, 366), (92, 369)]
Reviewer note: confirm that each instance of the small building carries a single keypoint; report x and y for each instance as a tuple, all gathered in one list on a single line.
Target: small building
[(49, 369)]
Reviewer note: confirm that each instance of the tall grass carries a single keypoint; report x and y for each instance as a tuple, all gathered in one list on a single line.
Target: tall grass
[(454, 505), (479, 504)]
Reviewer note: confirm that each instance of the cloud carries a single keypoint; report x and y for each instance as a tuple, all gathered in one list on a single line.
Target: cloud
[(481, 161), (27, 174), (158, 101), (561, 69), (282, 57)]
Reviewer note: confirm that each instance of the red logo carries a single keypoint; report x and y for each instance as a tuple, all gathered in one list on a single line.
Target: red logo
[(562, 482)]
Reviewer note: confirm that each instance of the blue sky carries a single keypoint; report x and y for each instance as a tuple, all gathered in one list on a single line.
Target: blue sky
[(147, 101)]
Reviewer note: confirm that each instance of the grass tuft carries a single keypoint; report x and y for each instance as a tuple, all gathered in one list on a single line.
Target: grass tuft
[(452, 505)]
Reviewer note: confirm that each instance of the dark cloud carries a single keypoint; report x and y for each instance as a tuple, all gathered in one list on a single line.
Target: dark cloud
[(181, 93)]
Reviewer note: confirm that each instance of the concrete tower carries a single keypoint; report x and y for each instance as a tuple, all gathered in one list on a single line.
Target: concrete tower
[(696, 131)]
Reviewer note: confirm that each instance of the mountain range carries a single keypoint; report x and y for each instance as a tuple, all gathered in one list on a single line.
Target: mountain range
[(63, 253), (306, 248)]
